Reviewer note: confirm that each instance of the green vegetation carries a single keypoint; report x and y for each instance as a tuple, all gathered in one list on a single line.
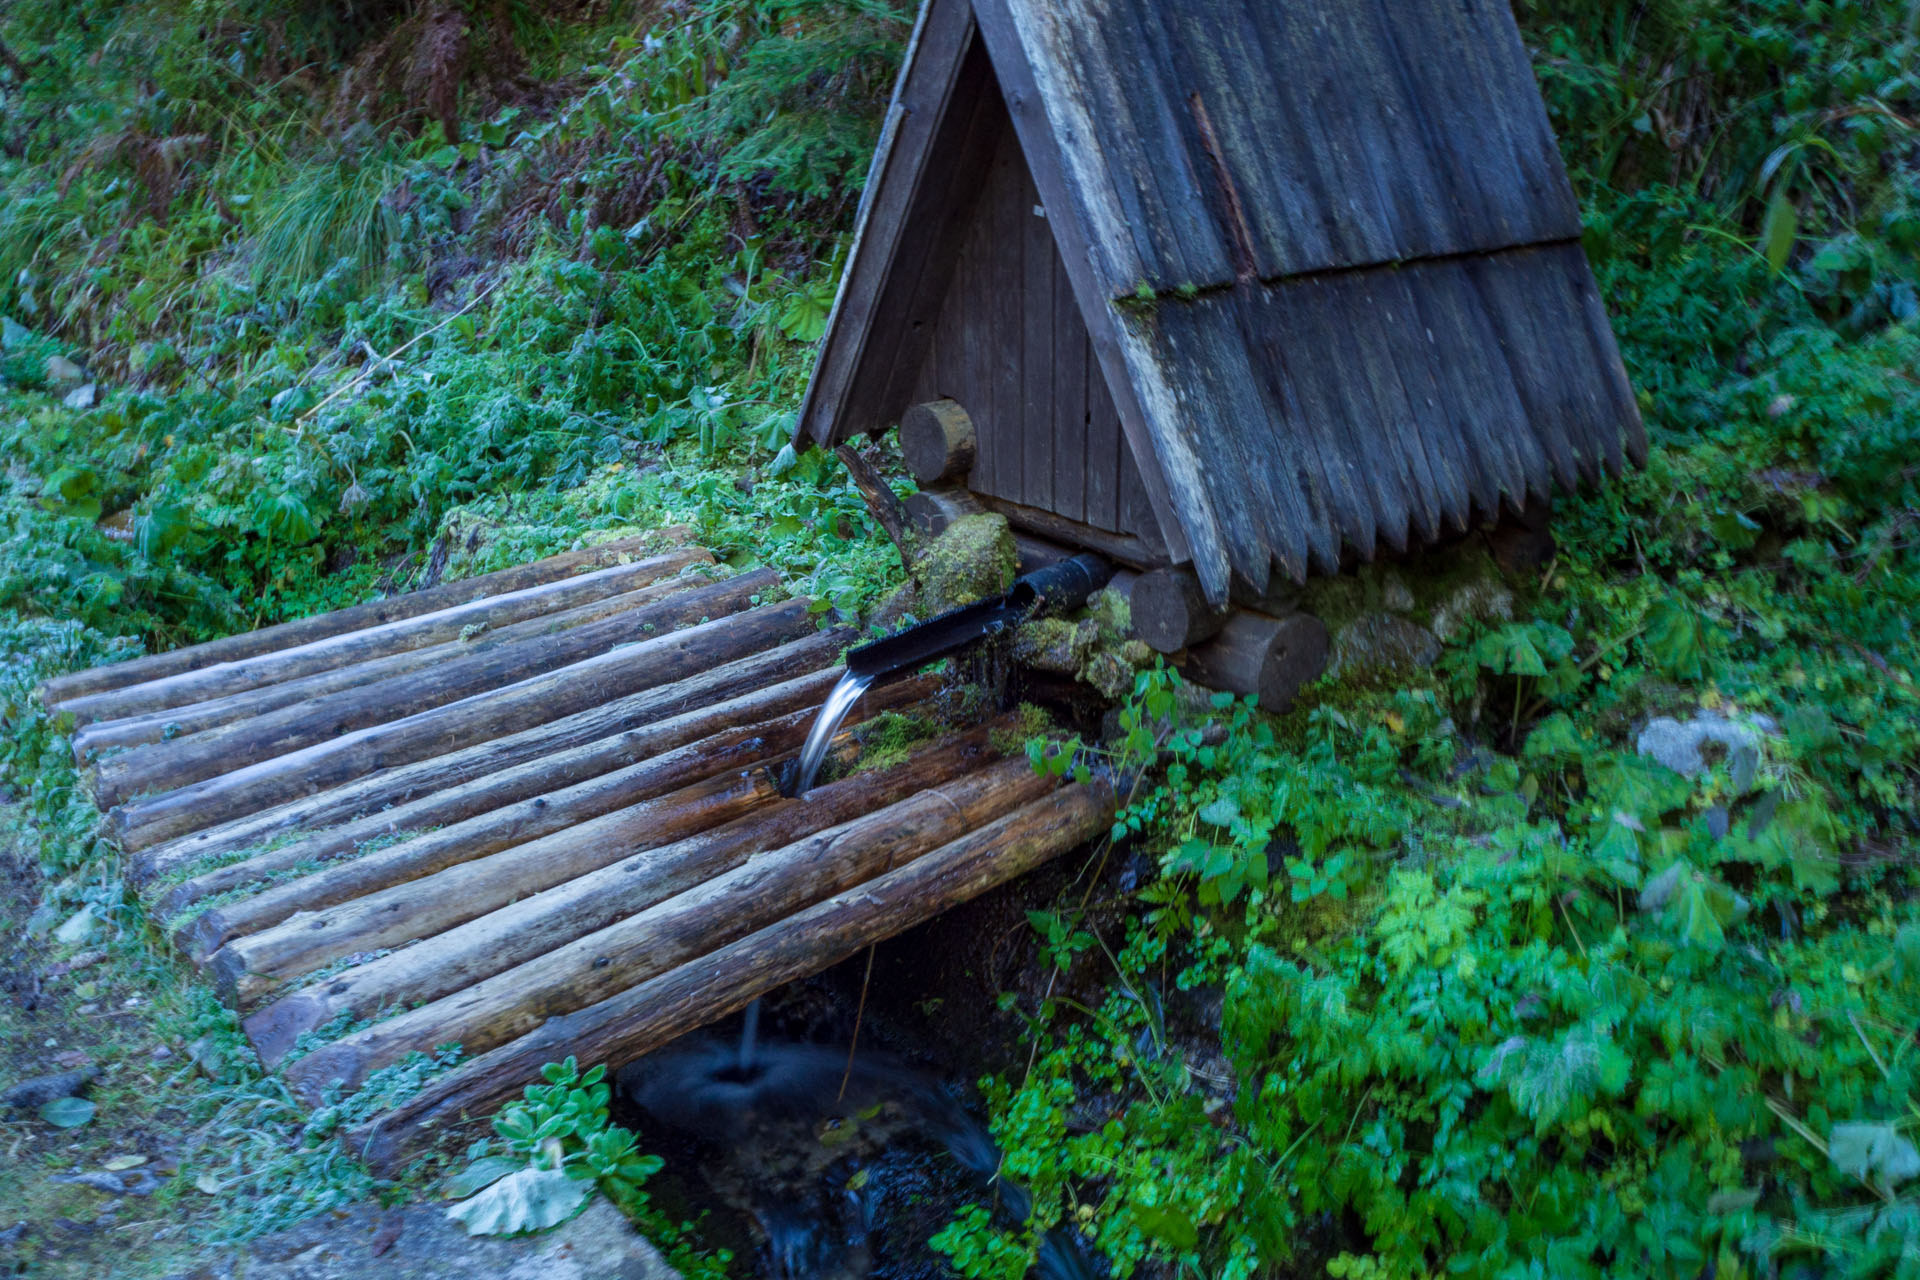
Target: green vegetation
[(1438, 975), (1441, 975)]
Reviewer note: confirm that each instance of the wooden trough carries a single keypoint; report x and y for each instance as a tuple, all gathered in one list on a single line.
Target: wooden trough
[(534, 813)]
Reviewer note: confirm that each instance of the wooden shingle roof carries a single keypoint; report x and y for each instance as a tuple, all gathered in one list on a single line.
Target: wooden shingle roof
[(1325, 249)]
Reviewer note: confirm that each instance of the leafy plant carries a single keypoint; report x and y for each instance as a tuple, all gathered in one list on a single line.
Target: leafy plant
[(560, 1146)]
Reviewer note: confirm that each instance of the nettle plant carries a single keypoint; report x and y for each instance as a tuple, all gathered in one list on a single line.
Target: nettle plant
[(558, 1147)]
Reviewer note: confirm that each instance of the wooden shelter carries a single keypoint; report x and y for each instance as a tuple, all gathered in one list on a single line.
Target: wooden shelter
[(1242, 286)]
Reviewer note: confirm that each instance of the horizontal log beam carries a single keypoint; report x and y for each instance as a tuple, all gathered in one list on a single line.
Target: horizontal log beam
[(544, 698), (393, 791), (163, 766), (295, 927), (198, 717), (542, 776), (403, 635), (373, 613), (533, 926), (644, 1017)]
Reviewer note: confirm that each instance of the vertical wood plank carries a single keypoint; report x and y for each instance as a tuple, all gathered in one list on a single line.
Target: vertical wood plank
[(1103, 446), (1007, 279), (1036, 356), (1070, 360)]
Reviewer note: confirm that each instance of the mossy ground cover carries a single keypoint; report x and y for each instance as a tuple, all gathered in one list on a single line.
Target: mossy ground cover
[(1436, 974)]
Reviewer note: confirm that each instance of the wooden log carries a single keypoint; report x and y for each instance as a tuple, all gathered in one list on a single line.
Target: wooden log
[(680, 929), (537, 777), (178, 722), (250, 968), (406, 634), (305, 901), (724, 981), (534, 926), (516, 824), (373, 613), (1122, 547), (1171, 611), (163, 766), (1269, 658), (253, 787), (938, 442), (930, 511), (392, 790)]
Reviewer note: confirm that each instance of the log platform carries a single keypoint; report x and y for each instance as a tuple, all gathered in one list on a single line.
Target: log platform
[(533, 813)]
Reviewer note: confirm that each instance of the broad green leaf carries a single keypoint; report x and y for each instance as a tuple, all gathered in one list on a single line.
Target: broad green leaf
[(1874, 1153), (530, 1200), (1168, 1224), (1779, 230), (1676, 639), (481, 1174), (67, 1113)]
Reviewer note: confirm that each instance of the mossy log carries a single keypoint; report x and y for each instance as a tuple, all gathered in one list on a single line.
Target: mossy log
[(163, 766), (531, 927), (724, 981), (629, 669), (516, 766), (373, 613)]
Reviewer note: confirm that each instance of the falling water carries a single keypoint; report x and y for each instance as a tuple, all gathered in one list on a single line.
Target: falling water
[(825, 725), (749, 1032)]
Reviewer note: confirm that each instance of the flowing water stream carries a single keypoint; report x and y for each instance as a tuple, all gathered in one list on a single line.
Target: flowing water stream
[(813, 753)]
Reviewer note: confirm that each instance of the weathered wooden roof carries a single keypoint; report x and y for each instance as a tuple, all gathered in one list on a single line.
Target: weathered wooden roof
[(1325, 249), (1211, 140)]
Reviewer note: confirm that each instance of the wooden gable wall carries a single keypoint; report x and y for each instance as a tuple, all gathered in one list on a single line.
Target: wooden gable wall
[(1011, 347)]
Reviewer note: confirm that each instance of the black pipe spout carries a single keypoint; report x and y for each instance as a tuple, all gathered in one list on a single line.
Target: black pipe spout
[(1061, 586)]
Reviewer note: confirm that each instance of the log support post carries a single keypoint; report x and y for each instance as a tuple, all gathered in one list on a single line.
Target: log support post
[(1267, 657), (938, 442), (1171, 612)]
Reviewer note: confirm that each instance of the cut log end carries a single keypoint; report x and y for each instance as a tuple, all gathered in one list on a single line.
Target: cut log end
[(1171, 611), (937, 441), (1265, 657)]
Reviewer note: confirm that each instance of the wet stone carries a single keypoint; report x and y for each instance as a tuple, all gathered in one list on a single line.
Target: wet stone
[(38, 1091)]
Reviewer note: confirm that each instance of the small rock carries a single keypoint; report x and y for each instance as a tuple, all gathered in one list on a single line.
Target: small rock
[(14, 1234), (82, 397), (37, 1091), (1395, 594), (78, 928), (72, 1059), (1683, 746), (1382, 644), (60, 369), (81, 961), (160, 1053)]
